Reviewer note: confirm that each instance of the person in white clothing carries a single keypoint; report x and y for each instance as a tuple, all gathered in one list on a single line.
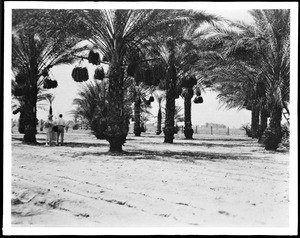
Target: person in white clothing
[(61, 123), (48, 126)]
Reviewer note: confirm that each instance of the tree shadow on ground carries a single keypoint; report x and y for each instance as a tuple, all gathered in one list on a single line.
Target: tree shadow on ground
[(219, 139), (66, 144), (187, 156), (242, 144), (220, 145), (83, 144)]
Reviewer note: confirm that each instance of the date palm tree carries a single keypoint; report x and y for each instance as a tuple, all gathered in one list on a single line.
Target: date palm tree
[(178, 116), (160, 97), (39, 42), (235, 84), (114, 33), (191, 55), (18, 104), (180, 55), (92, 105), (265, 47), (141, 106), (274, 27)]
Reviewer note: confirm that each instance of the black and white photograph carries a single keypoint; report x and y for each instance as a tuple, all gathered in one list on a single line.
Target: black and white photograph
[(150, 118)]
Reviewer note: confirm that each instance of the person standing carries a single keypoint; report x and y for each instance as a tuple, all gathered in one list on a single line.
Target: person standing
[(61, 123), (48, 126)]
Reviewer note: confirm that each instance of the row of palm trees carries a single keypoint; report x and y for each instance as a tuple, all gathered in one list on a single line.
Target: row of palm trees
[(255, 72), (168, 49)]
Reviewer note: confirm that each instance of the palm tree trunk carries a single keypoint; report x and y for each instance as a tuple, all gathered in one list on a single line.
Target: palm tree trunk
[(21, 127), (169, 129), (137, 117), (30, 119), (274, 133), (263, 123), (30, 101), (170, 95), (30, 96), (50, 109), (159, 118), (254, 121), (188, 130), (117, 124), (170, 113)]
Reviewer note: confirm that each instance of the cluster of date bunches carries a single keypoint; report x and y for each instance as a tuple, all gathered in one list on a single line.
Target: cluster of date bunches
[(80, 74), (94, 57), (151, 76), (187, 85), (149, 101), (49, 83), (99, 73), (189, 82), (198, 99)]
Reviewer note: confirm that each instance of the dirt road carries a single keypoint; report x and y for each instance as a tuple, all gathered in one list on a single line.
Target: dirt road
[(209, 181)]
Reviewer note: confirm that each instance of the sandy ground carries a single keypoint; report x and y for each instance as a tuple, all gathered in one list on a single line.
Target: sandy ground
[(211, 181)]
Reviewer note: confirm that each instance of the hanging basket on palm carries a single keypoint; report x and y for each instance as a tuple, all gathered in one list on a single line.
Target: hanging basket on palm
[(94, 57), (198, 100), (99, 73), (80, 74), (48, 83)]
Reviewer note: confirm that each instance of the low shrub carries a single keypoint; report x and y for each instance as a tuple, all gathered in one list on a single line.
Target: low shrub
[(271, 139), (285, 135), (247, 129)]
